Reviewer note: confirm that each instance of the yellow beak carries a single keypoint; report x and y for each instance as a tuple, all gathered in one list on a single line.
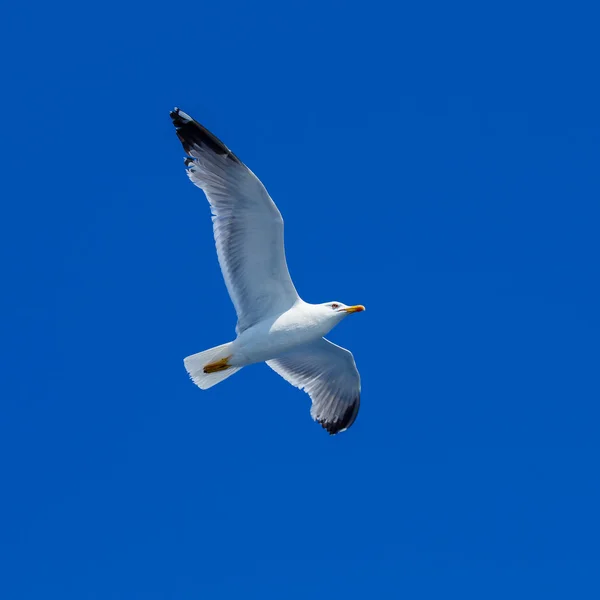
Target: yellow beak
[(353, 309)]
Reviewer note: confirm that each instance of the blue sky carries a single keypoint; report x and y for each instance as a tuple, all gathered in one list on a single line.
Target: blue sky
[(436, 162)]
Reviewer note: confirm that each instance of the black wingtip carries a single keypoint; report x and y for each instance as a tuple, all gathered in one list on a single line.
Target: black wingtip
[(342, 423), (192, 136)]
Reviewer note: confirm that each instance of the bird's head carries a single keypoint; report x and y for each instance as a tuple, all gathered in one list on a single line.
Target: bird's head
[(338, 310)]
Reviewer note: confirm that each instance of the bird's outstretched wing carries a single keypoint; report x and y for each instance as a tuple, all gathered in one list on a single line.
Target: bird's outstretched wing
[(247, 225), (328, 374)]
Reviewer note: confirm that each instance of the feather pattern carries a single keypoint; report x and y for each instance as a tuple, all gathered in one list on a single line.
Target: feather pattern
[(247, 226), (328, 374)]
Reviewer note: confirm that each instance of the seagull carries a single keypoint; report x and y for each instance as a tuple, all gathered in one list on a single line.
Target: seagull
[(274, 324)]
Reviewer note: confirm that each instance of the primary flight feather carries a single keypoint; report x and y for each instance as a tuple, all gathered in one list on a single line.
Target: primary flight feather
[(274, 324)]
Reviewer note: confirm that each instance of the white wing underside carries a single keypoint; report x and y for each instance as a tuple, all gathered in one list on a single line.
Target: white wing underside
[(248, 227), (328, 374)]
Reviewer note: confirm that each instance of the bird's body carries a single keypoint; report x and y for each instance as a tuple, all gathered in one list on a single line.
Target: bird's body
[(274, 336), (274, 324)]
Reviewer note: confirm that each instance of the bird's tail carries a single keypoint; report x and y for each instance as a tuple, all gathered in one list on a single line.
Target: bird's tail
[(210, 367)]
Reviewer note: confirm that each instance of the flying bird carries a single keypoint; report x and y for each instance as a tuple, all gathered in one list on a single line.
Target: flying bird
[(274, 324)]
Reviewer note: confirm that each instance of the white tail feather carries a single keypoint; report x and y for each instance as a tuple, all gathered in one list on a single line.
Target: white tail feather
[(195, 364)]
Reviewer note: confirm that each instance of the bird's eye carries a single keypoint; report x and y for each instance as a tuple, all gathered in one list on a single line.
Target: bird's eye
[(335, 305)]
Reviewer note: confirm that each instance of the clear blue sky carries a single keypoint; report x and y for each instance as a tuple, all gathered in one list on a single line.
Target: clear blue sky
[(437, 162)]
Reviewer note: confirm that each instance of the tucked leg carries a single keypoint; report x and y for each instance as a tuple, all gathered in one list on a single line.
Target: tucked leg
[(218, 365)]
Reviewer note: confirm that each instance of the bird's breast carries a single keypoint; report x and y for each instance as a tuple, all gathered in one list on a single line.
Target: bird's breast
[(273, 337)]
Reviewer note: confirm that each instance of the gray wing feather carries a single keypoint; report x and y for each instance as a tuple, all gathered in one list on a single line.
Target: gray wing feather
[(328, 374), (247, 226)]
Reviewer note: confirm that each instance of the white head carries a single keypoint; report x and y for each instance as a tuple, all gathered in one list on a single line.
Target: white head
[(336, 311)]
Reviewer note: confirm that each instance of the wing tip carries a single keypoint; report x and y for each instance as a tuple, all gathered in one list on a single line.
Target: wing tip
[(345, 421), (179, 117), (192, 136)]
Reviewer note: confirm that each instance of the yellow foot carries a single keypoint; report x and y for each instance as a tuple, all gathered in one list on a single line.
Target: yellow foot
[(218, 365)]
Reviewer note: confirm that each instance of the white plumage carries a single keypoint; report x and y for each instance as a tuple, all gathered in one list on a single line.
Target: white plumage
[(274, 324)]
